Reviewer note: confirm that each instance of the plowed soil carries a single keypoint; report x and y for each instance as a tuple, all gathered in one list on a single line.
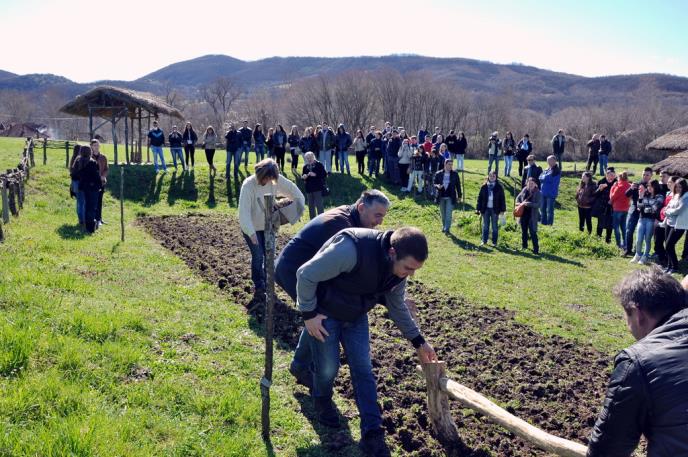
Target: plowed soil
[(549, 381)]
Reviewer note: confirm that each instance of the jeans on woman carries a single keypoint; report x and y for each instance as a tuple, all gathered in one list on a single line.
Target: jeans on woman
[(315, 203), (585, 219), (673, 237), (177, 152), (257, 259), (354, 337), (279, 156), (260, 152), (459, 161), (490, 217), (508, 161), (446, 209), (529, 224), (326, 159), (493, 159), (415, 178), (344, 161), (522, 162), (646, 228), (373, 165), (80, 202), (619, 226)]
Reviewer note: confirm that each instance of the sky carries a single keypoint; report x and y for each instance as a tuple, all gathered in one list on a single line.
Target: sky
[(88, 40)]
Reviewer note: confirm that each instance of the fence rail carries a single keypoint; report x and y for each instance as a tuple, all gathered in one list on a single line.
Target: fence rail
[(12, 191), (441, 389)]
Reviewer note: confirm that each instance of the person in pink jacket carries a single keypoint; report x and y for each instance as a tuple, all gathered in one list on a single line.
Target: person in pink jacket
[(620, 204)]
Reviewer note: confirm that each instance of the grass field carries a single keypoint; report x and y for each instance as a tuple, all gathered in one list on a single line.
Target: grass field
[(110, 348)]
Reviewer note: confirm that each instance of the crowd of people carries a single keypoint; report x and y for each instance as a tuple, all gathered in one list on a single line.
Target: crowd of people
[(88, 169)]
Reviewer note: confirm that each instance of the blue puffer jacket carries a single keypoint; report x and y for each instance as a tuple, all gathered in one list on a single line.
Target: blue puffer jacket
[(342, 139), (549, 182)]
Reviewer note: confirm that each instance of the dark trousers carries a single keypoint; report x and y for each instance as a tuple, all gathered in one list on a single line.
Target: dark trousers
[(521, 165), (529, 224), (279, 157), (99, 206), (593, 159), (603, 224), (672, 237), (294, 158), (403, 173), (209, 154), (360, 157), (91, 197), (189, 152), (585, 219), (660, 250)]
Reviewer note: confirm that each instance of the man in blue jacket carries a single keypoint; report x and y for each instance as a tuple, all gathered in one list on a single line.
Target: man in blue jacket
[(549, 187), (648, 389), (156, 140)]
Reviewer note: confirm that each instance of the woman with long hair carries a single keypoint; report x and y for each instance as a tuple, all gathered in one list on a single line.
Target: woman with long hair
[(189, 138), (585, 197), (661, 228), (293, 140), (676, 222), (209, 144), (279, 145), (360, 147), (650, 201), (259, 142), (531, 200), (87, 173), (509, 146)]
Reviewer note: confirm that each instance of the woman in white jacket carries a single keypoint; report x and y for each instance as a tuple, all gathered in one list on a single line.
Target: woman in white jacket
[(676, 222), (266, 180), (405, 153)]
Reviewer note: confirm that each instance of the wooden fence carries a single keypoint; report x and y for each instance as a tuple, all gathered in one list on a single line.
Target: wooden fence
[(441, 389), (12, 188)]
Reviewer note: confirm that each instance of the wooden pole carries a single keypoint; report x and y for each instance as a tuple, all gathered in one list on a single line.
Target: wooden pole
[(473, 400), (66, 154), (126, 135), (438, 405), (114, 136), (139, 149), (32, 162), (121, 200), (5, 202), (148, 145), (266, 382), (45, 151)]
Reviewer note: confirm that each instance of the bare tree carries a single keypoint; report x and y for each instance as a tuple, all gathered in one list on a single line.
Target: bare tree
[(220, 95)]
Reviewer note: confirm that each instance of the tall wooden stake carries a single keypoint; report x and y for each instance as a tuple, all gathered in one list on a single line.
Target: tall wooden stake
[(438, 405), (45, 151), (121, 199), (66, 154), (266, 382), (5, 202)]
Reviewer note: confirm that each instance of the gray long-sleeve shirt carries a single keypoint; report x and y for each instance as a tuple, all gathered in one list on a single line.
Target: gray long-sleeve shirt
[(340, 256)]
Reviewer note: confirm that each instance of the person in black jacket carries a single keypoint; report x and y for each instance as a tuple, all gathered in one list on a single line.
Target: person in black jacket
[(523, 150), (532, 170), (602, 208), (189, 138), (647, 392), (233, 152), (259, 142), (633, 213), (245, 134), (176, 140), (315, 176), (605, 150), (294, 140), (448, 187), (87, 173), (461, 148), (375, 154), (491, 203), (593, 153)]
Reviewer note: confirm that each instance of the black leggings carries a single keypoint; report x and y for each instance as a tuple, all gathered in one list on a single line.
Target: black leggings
[(279, 156), (660, 239), (601, 223), (593, 159), (294, 158), (209, 154), (522, 162), (189, 152), (360, 157), (403, 173), (585, 219), (673, 236)]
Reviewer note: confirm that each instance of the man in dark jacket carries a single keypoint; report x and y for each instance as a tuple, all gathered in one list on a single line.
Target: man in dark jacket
[(491, 203), (156, 140), (633, 213), (335, 291), (368, 212), (343, 143), (523, 150), (326, 144), (648, 393), (448, 186), (233, 152), (176, 142), (245, 135), (593, 154), (532, 170), (559, 146), (605, 150)]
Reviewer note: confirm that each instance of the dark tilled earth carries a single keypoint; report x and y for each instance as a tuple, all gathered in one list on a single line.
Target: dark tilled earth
[(549, 381)]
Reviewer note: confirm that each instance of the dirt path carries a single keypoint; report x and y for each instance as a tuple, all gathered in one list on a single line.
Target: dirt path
[(551, 382)]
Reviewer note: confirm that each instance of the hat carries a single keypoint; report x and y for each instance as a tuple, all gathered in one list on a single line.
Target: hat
[(611, 169)]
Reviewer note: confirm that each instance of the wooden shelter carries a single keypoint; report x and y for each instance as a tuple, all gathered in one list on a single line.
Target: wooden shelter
[(113, 104), (675, 143)]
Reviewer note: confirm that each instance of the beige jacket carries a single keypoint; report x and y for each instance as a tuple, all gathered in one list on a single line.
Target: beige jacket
[(251, 201)]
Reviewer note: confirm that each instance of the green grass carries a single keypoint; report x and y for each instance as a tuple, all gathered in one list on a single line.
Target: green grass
[(91, 361)]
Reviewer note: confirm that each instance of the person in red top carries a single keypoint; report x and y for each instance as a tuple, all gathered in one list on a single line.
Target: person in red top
[(427, 145), (620, 204), (661, 229)]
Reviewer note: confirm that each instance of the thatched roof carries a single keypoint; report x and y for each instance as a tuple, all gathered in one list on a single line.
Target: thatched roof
[(116, 96), (674, 141), (676, 165)]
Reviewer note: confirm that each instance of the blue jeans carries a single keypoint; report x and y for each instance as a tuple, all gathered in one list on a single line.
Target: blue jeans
[(178, 152), (373, 164), (493, 159), (490, 217), (631, 223), (604, 161), (355, 339), (619, 226), (243, 149), (157, 151), (646, 228), (326, 159), (344, 161), (446, 208), (236, 158), (80, 202), (508, 160), (548, 210), (459, 161), (257, 259), (260, 152)]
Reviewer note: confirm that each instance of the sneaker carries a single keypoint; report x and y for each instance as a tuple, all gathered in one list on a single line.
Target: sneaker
[(482, 243), (326, 411), (373, 444), (643, 260), (303, 377), (635, 259), (494, 244)]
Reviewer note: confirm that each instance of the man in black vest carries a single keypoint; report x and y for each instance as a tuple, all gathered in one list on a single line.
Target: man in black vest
[(647, 393), (335, 291), (368, 212)]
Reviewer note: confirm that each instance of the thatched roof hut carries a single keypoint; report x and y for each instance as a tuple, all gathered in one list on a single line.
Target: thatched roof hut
[(672, 142), (108, 101), (676, 165)]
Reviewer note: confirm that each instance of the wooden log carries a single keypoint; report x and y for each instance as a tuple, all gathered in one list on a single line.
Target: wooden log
[(66, 154), (2, 234), (121, 200), (5, 201), (32, 161), (45, 151), (438, 405), (11, 198), (266, 382), (545, 441)]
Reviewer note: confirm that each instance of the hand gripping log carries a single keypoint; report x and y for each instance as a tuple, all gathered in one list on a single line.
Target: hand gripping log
[(440, 388)]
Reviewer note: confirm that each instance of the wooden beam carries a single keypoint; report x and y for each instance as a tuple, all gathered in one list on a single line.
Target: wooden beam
[(438, 405)]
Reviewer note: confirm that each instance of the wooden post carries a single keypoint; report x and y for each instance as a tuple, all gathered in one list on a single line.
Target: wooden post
[(114, 136), (32, 161), (126, 135), (2, 234), (45, 151), (66, 154), (5, 202), (266, 382), (139, 149), (148, 145), (121, 200), (438, 405), (11, 195)]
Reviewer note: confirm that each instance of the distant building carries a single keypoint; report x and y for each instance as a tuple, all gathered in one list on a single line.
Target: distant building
[(24, 130)]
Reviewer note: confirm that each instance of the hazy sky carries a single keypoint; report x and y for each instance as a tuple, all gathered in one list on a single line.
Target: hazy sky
[(87, 40)]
